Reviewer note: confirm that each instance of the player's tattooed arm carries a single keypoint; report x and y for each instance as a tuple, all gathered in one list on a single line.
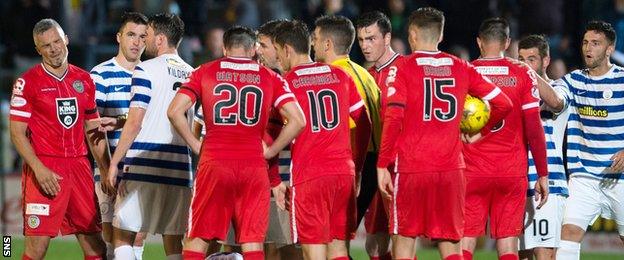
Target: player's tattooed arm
[(618, 162), (47, 180), (548, 95)]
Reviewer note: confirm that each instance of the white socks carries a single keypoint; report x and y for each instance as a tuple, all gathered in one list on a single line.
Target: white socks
[(569, 250), (124, 253), (138, 252), (174, 257)]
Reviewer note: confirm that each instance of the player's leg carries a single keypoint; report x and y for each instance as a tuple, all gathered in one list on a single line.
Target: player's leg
[(445, 212), (137, 247), (92, 244), (106, 210), (377, 246), (583, 205), (507, 214), (403, 247), (311, 216), (477, 204), (35, 247), (337, 249), (251, 209), (342, 215), (376, 224), (291, 251), (123, 241), (173, 246), (211, 202), (526, 254)]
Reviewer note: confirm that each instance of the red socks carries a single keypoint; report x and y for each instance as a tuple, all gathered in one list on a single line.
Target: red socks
[(192, 255), (94, 257), (253, 255), (341, 258), (467, 255), (25, 257), (454, 257), (509, 257)]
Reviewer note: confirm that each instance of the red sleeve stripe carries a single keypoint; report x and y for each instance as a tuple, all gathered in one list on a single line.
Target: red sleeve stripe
[(492, 94), (530, 105), (192, 91), (19, 113), (357, 106), (282, 97)]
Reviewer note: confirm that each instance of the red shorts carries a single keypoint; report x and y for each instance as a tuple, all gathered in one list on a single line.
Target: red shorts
[(324, 209), (230, 191), (429, 204), (376, 217), (502, 198), (73, 210)]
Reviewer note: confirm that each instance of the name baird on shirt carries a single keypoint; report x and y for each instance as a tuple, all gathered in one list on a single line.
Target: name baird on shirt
[(249, 78), (591, 111)]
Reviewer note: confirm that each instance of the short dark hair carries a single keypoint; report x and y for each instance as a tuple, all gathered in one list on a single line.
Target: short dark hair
[(169, 25), (428, 18), (269, 27), (604, 28), (239, 36), (295, 34), (374, 17), (494, 29), (132, 17), (535, 41), (339, 29)]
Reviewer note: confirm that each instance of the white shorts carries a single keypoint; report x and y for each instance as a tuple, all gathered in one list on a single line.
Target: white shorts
[(542, 228), (106, 202), (152, 207), (592, 197), (278, 231)]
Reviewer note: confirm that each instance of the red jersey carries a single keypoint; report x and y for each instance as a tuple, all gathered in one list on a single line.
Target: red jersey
[(423, 112), (327, 96), (236, 95), (504, 151), (55, 109), (384, 75)]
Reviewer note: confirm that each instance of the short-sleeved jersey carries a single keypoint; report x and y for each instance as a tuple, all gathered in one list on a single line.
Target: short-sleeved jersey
[(112, 93), (159, 154), (327, 96), (55, 109), (424, 109), (236, 96), (369, 92), (554, 130), (504, 151), (596, 125), (384, 75)]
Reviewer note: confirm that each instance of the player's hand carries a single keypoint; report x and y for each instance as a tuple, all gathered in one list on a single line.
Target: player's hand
[(108, 124), (384, 182), (196, 146), (48, 181), (618, 162), (541, 191), (109, 181), (518, 63), (268, 152), (287, 199), (279, 193), (121, 188), (470, 138)]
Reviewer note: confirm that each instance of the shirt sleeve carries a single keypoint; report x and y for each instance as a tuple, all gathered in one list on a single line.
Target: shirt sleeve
[(192, 87), (530, 95), (141, 89), (562, 88), (355, 100), (101, 91), (91, 110), (21, 101), (393, 118), (281, 90)]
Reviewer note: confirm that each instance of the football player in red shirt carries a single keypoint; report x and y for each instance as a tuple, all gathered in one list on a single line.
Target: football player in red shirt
[(52, 109), (237, 95), (496, 164), (374, 33), (323, 168), (421, 136)]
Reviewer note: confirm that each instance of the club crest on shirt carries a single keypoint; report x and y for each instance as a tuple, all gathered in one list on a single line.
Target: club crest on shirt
[(67, 111), (78, 86), (18, 87)]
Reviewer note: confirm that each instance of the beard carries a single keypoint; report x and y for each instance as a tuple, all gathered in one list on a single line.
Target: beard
[(595, 61)]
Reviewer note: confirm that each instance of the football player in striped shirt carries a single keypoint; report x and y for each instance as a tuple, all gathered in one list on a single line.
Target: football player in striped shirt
[(595, 100), (155, 189), (542, 227), (112, 95)]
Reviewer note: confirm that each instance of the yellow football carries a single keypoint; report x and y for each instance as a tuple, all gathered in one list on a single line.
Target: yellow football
[(476, 115)]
